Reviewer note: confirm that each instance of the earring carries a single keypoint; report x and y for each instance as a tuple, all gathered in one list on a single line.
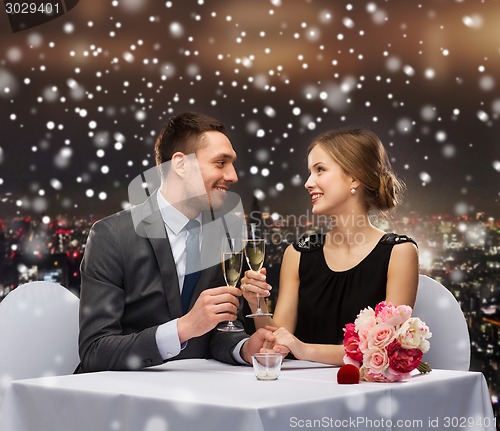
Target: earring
[(353, 191)]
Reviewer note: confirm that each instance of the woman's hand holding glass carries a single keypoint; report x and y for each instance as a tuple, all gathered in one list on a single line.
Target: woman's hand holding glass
[(255, 250), (255, 286)]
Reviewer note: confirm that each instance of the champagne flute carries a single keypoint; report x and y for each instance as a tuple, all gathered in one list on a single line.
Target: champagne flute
[(255, 250), (232, 261)]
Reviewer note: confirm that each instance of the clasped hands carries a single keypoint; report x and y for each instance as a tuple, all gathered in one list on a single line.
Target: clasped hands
[(266, 340), (278, 340), (274, 340)]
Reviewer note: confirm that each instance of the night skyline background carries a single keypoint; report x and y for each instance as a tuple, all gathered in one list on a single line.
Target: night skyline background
[(83, 97)]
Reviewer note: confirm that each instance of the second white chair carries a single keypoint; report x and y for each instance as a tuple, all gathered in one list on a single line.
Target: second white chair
[(450, 342)]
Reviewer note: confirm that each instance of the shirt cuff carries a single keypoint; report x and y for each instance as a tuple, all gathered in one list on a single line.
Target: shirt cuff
[(167, 340), (236, 352)]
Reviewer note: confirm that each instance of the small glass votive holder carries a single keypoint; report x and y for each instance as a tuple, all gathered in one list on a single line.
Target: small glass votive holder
[(267, 366)]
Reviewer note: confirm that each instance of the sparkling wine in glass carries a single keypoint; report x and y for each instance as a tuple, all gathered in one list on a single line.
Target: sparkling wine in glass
[(255, 250), (232, 261)]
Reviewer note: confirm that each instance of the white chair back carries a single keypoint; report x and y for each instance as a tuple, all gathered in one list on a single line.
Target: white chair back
[(450, 342), (38, 332)]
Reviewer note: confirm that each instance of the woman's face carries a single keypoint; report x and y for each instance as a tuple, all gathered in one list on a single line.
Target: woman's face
[(328, 185)]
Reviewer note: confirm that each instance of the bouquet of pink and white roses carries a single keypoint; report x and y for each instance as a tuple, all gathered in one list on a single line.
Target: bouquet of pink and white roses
[(386, 344)]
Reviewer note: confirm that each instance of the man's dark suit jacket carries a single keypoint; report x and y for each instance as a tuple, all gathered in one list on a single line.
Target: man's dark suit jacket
[(130, 287)]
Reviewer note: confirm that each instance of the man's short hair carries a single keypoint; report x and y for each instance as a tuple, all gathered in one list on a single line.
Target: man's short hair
[(183, 133)]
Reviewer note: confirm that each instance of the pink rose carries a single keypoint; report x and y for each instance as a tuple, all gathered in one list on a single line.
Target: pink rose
[(389, 376), (401, 359), (376, 360), (351, 343), (369, 376), (380, 336)]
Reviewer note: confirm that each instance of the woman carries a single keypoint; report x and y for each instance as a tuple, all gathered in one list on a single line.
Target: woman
[(326, 280)]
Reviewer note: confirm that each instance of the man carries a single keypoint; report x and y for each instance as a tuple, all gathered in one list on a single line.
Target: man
[(135, 271)]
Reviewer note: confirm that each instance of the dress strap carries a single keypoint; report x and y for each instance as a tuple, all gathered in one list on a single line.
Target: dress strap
[(309, 242), (394, 238)]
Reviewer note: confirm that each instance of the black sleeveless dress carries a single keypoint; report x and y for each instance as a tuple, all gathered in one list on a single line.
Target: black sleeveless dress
[(330, 299)]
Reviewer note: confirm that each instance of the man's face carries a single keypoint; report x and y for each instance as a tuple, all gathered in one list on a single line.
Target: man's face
[(215, 160)]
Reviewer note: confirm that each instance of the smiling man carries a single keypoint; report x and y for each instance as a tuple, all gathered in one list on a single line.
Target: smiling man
[(144, 300)]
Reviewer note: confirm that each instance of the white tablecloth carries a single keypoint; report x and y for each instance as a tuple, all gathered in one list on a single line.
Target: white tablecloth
[(207, 395)]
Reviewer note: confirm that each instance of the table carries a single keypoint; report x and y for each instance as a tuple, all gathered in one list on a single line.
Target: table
[(198, 394)]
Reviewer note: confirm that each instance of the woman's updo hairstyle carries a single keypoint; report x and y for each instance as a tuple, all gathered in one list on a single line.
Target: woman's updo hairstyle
[(361, 155)]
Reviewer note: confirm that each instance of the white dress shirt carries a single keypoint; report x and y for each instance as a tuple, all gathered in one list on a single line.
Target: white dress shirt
[(167, 337)]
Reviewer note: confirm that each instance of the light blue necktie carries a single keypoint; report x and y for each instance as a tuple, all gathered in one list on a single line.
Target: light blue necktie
[(193, 263)]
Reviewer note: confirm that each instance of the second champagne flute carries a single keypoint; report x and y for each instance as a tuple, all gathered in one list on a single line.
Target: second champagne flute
[(255, 250)]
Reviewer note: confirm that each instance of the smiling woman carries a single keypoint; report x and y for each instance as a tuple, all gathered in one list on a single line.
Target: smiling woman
[(326, 279)]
